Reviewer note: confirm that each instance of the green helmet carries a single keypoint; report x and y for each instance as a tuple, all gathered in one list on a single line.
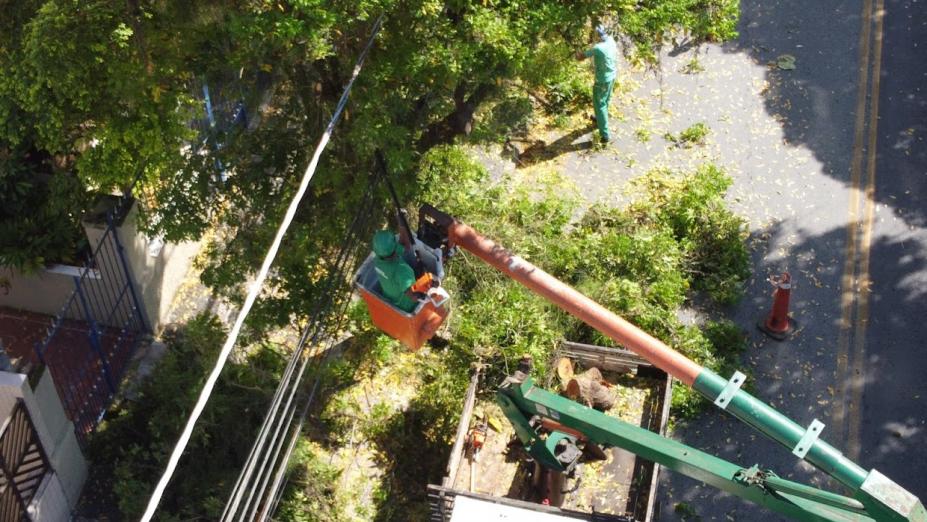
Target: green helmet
[(384, 243)]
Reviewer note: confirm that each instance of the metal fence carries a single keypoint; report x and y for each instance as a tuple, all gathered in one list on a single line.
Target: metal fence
[(93, 337), (23, 464)]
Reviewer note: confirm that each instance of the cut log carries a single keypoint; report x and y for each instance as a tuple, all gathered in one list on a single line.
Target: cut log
[(590, 389)]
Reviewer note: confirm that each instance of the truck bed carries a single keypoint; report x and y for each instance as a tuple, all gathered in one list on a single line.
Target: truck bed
[(622, 485)]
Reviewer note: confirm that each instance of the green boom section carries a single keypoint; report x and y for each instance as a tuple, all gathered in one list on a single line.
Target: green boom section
[(880, 496), (781, 429), (884, 499), (521, 400)]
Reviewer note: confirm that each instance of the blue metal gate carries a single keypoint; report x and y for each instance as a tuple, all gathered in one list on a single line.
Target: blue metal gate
[(93, 337)]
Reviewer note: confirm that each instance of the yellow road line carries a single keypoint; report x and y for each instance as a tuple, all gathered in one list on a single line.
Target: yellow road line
[(862, 301), (849, 268)]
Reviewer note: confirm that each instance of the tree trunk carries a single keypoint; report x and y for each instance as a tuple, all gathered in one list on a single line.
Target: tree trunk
[(460, 120), (135, 14)]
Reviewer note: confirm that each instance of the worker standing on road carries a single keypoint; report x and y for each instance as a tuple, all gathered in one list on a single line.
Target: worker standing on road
[(605, 58)]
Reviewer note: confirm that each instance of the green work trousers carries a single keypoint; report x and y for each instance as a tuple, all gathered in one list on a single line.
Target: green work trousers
[(601, 96)]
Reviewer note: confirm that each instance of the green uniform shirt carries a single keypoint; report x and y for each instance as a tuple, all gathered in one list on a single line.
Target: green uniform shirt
[(396, 276), (605, 57)]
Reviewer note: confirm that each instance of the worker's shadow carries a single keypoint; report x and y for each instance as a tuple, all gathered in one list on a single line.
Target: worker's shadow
[(540, 150)]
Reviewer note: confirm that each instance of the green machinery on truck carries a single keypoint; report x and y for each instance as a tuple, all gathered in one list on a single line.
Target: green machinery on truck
[(554, 429)]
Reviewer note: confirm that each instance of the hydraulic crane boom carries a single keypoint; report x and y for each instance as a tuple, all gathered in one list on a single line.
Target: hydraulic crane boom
[(880, 498), (568, 424)]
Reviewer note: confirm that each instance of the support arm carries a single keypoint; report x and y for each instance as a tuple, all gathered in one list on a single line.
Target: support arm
[(520, 399)]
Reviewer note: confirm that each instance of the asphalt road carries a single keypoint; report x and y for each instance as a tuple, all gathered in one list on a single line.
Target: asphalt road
[(893, 413), (831, 175), (857, 101), (795, 176)]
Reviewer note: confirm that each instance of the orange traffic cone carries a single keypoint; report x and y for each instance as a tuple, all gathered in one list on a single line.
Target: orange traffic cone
[(778, 324)]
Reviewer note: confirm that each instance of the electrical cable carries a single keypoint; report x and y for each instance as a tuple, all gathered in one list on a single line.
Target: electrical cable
[(318, 325), (321, 303), (255, 288), (323, 326), (273, 493), (359, 226)]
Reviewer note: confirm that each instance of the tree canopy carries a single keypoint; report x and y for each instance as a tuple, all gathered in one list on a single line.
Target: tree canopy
[(92, 92)]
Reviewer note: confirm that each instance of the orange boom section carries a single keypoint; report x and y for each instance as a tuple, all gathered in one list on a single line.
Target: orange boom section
[(573, 302)]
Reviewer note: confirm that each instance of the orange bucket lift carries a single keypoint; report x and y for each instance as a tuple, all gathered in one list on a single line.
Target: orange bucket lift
[(415, 328)]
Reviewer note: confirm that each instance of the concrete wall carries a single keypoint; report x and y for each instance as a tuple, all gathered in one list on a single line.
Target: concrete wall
[(43, 292), (158, 272), (66, 456), (55, 432), (49, 503)]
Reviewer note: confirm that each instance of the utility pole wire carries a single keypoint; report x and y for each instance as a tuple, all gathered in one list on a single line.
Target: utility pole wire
[(255, 288), (270, 495), (285, 381), (311, 334), (273, 494), (262, 500)]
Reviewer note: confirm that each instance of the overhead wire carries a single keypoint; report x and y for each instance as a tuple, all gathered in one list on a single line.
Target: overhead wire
[(255, 287), (359, 227), (265, 503), (324, 296), (274, 490), (268, 489), (322, 321), (312, 326)]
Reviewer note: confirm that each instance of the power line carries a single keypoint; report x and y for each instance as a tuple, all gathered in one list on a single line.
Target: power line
[(276, 489), (255, 288), (320, 326), (270, 494), (322, 302)]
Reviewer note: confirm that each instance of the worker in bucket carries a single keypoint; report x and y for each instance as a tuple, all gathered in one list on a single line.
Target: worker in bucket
[(605, 59), (397, 279)]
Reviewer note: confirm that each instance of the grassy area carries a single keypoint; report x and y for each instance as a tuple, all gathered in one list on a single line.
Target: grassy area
[(397, 411), (695, 134), (380, 429)]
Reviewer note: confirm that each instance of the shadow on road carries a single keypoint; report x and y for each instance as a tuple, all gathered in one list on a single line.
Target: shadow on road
[(816, 103), (890, 445), (541, 151), (817, 107)]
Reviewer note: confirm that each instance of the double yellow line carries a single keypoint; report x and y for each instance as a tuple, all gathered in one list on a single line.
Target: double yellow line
[(855, 284)]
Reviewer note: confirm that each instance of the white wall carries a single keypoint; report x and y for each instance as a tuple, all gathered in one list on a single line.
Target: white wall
[(55, 432), (49, 503), (157, 277), (66, 456), (42, 292)]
